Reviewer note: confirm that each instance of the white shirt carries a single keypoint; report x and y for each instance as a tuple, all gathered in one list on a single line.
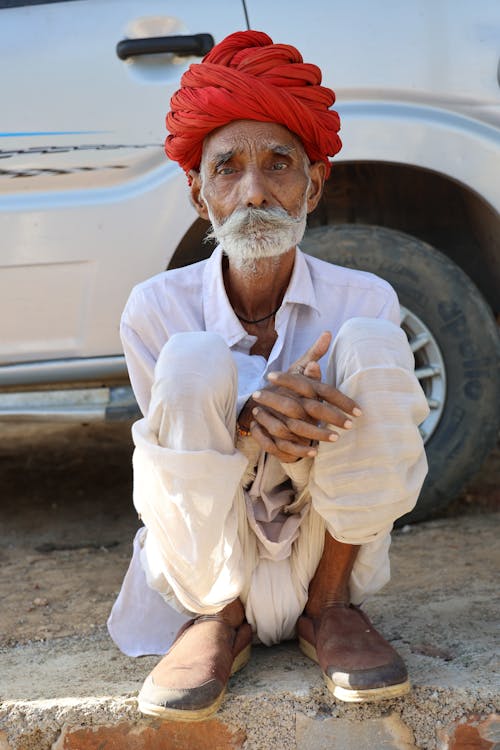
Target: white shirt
[(320, 297)]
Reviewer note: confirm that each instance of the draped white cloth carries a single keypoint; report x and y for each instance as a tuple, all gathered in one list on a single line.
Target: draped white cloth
[(223, 519)]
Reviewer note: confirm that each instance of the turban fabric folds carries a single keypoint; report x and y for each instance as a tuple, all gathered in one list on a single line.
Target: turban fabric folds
[(248, 77)]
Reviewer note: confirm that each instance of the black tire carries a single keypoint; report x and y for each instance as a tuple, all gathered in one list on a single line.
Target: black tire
[(439, 293)]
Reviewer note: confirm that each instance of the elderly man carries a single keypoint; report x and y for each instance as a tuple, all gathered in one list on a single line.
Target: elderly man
[(279, 440)]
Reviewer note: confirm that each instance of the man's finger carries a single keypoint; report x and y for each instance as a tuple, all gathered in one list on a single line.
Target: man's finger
[(320, 411), (320, 347), (269, 446), (337, 398), (276, 428), (293, 430), (313, 370), (310, 431), (314, 353), (299, 384), (293, 449), (309, 388), (280, 403)]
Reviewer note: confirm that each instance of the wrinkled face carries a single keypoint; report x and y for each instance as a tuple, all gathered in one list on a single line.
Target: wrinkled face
[(256, 186)]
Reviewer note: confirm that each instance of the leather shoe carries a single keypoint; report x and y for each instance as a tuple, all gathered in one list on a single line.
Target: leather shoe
[(189, 683), (358, 664)]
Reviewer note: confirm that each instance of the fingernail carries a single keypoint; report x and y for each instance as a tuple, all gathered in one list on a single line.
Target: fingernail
[(272, 376), (311, 454), (333, 437), (256, 394), (357, 412), (347, 424), (255, 411)]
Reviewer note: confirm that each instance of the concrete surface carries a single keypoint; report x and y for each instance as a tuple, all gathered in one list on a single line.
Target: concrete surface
[(77, 692)]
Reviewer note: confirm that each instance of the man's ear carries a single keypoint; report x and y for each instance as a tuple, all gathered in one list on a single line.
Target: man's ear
[(196, 199), (317, 173)]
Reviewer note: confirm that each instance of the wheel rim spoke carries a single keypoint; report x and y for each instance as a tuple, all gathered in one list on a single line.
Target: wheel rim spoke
[(429, 368), (419, 341), (427, 372)]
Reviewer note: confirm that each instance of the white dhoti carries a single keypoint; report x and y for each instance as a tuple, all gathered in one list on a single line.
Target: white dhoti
[(224, 520)]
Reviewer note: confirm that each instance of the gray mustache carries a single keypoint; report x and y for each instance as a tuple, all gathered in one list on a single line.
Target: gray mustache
[(246, 220)]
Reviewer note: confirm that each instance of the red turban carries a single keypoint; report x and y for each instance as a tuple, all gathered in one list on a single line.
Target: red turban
[(247, 77)]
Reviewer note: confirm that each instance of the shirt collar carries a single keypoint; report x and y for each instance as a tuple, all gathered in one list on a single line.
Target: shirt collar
[(217, 311), (301, 289)]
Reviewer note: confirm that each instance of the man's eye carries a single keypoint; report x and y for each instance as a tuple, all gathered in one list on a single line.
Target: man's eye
[(279, 165), (225, 170)]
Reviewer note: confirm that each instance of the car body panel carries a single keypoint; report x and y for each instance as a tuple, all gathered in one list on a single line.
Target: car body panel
[(89, 204), (442, 53)]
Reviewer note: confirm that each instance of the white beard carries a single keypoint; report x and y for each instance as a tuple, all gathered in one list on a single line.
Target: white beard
[(250, 234)]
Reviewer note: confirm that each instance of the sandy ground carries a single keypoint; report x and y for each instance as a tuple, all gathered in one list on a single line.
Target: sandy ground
[(67, 523), (437, 611)]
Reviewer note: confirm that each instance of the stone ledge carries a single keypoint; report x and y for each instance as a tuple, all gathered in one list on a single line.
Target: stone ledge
[(277, 703), (77, 693)]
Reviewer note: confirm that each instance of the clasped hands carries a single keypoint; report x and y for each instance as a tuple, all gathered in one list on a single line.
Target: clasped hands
[(296, 410)]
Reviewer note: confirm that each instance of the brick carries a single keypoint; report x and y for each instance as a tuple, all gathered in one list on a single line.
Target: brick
[(388, 733), (489, 729), (474, 733), (34, 739), (167, 735)]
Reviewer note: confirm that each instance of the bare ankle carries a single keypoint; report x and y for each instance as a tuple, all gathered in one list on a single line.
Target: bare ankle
[(315, 607), (233, 613), (330, 584)]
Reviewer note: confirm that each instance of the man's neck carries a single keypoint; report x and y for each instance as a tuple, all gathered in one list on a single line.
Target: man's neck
[(258, 293)]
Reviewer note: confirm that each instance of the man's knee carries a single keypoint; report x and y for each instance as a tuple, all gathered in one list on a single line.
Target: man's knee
[(362, 343), (201, 359), (193, 398), (192, 349)]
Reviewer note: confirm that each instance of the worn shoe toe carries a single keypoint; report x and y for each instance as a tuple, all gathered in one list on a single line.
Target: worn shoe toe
[(358, 664), (189, 682)]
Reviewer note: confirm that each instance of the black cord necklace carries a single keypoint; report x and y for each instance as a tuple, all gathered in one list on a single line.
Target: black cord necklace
[(259, 320)]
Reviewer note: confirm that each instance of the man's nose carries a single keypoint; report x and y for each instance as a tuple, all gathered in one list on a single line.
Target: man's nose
[(254, 189)]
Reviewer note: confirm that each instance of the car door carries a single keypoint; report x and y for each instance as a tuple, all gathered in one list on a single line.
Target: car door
[(89, 204)]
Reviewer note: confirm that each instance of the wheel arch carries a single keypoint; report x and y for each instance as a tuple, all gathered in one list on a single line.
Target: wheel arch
[(423, 203), (454, 145), (437, 172)]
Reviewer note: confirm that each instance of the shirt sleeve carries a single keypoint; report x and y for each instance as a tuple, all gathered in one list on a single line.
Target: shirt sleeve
[(140, 363), (391, 310)]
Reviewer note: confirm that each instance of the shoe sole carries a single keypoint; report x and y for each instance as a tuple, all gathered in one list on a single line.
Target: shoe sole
[(347, 695), (199, 714)]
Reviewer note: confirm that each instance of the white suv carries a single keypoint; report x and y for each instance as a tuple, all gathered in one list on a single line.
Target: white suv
[(89, 204)]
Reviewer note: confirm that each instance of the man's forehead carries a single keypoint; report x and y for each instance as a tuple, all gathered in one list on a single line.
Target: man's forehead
[(243, 135)]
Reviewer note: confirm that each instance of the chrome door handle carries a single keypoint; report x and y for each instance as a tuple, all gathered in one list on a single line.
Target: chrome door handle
[(193, 44)]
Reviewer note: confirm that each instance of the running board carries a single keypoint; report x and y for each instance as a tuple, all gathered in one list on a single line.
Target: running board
[(69, 405)]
